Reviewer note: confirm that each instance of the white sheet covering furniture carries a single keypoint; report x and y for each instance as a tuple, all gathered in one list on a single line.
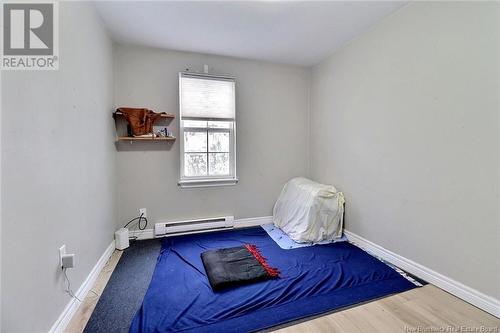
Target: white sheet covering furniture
[(309, 212)]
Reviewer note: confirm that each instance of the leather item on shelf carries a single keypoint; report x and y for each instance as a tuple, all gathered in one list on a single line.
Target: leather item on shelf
[(141, 120)]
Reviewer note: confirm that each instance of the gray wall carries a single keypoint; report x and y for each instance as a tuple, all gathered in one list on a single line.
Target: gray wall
[(272, 135), (1, 190), (405, 121), (58, 171)]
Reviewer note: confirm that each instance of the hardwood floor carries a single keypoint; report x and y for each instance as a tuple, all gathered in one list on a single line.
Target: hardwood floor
[(426, 309), (82, 316)]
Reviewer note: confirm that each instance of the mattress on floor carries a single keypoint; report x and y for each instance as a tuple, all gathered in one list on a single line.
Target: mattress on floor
[(313, 280)]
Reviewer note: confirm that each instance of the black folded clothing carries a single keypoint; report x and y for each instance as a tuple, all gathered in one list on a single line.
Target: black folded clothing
[(236, 266)]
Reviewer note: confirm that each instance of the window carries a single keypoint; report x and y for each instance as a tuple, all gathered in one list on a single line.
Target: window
[(208, 127)]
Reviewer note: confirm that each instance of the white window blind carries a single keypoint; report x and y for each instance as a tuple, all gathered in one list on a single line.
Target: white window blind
[(206, 98)]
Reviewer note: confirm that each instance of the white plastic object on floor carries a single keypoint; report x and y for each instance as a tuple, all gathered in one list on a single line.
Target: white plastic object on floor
[(121, 239), (286, 243)]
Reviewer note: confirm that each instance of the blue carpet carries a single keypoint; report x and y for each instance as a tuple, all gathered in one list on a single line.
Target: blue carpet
[(126, 288), (314, 280)]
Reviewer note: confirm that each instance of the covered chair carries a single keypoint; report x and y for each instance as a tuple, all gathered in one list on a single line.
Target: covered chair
[(309, 212)]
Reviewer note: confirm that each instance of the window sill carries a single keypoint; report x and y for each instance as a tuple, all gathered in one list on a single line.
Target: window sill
[(207, 182)]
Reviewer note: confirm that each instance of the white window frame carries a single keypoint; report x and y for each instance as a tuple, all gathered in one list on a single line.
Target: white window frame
[(207, 181)]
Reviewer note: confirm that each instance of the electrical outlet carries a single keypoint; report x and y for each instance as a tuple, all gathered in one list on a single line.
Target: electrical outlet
[(62, 252), (143, 212), (68, 260)]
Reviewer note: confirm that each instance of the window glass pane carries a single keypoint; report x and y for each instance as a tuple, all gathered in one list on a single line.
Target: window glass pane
[(195, 164), (195, 123), (218, 142), (219, 124), (219, 164), (195, 142)]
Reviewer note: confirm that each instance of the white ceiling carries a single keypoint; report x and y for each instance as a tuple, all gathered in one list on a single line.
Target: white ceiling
[(300, 33)]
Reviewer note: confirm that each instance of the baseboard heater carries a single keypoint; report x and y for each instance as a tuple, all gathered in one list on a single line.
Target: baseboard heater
[(201, 225)]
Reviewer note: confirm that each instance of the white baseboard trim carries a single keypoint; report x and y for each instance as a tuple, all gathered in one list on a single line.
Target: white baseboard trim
[(73, 305), (468, 294), (238, 223)]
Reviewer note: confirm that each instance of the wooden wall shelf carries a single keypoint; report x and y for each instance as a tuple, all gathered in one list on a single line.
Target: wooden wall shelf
[(123, 131), (131, 138), (167, 115)]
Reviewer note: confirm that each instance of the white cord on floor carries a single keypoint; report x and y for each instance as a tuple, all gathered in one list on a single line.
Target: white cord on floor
[(93, 292), (68, 287)]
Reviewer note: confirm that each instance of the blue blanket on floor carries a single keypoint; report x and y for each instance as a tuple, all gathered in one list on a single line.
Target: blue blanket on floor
[(313, 280)]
